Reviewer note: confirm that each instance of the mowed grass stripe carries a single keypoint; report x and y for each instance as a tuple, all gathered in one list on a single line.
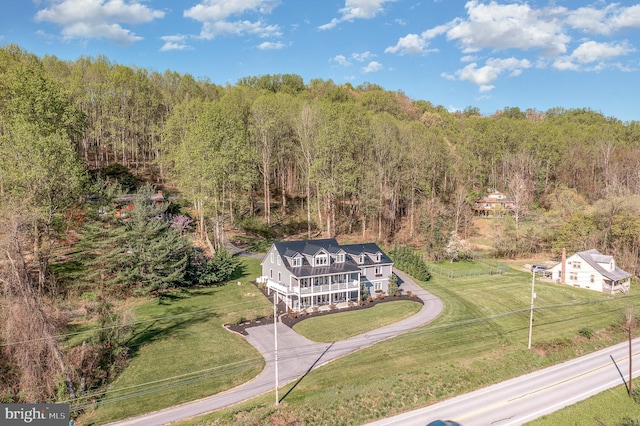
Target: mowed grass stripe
[(342, 325)]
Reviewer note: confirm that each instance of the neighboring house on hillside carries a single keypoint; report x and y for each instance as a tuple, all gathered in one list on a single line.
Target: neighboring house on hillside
[(593, 270), (494, 203), (124, 205), (312, 273)]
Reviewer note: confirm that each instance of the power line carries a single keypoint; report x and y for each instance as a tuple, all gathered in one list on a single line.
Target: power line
[(229, 368)]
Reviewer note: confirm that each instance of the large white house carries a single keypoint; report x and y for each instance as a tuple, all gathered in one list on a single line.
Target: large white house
[(312, 273), (593, 270)]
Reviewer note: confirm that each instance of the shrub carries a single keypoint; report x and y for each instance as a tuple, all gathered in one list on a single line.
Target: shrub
[(410, 262), (586, 332), (393, 285), (219, 269)]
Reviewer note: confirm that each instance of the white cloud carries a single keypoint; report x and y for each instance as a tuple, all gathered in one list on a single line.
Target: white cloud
[(269, 45), (98, 19), (606, 21), (544, 34), (174, 42), (592, 52), (372, 66), (361, 57), (512, 26), (411, 44), (341, 60), (493, 68), (215, 17), (357, 9), (238, 28)]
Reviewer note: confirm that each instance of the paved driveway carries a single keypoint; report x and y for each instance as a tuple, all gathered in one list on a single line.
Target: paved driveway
[(296, 357)]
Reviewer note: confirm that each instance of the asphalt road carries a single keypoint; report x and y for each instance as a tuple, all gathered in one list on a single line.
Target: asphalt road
[(528, 397), (296, 357)]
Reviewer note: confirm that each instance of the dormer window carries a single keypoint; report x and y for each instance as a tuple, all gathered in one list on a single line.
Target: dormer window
[(377, 257), (361, 259), (321, 260), (340, 258), (296, 262)]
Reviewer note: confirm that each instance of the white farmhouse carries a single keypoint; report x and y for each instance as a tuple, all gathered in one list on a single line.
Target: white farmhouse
[(593, 270), (312, 273)]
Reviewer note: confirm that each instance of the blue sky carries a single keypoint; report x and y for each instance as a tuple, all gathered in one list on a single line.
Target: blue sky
[(487, 54)]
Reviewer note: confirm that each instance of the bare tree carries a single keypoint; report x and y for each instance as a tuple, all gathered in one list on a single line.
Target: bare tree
[(30, 324)]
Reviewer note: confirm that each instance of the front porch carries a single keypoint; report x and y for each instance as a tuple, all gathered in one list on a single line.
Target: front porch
[(297, 298)]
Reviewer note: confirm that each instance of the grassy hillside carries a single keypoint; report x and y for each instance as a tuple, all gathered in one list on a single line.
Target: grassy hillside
[(480, 339), (181, 352)]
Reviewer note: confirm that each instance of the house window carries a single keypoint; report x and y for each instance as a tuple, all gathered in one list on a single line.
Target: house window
[(278, 260), (271, 273), (576, 265), (573, 276), (378, 271), (322, 259), (296, 262), (378, 257), (340, 258), (364, 272), (361, 259), (593, 278), (377, 286), (271, 257), (279, 277)]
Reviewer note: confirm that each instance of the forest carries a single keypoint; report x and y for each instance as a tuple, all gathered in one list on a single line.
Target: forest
[(272, 156)]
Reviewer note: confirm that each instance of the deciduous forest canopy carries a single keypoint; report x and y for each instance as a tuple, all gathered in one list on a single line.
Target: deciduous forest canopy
[(275, 155)]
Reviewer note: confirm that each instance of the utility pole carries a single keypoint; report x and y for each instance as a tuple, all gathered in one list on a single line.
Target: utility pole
[(533, 296), (275, 334), (630, 318)]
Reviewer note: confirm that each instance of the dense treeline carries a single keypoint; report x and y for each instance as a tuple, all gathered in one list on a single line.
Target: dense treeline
[(355, 160), (270, 151)]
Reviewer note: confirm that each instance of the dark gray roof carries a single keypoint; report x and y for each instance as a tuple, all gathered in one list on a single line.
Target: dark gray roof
[(367, 248), (307, 247), (593, 257), (289, 249)]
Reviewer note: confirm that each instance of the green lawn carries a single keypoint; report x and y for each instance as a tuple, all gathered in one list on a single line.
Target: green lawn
[(340, 326), (480, 339), (184, 353), (611, 407)]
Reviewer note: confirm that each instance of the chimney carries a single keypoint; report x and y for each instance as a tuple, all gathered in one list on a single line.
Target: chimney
[(563, 267)]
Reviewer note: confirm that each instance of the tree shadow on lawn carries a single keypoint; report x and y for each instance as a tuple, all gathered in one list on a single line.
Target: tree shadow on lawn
[(155, 330)]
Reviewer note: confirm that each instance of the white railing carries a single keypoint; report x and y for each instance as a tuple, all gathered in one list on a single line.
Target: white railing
[(328, 288), (316, 289)]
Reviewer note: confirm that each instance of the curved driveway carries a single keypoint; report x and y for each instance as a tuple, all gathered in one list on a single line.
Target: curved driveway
[(296, 357)]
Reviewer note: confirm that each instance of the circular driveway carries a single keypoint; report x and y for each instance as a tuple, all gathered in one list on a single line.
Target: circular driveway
[(297, 356)]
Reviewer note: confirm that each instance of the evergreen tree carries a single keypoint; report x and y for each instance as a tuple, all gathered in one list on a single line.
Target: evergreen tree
[(140, 251)]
